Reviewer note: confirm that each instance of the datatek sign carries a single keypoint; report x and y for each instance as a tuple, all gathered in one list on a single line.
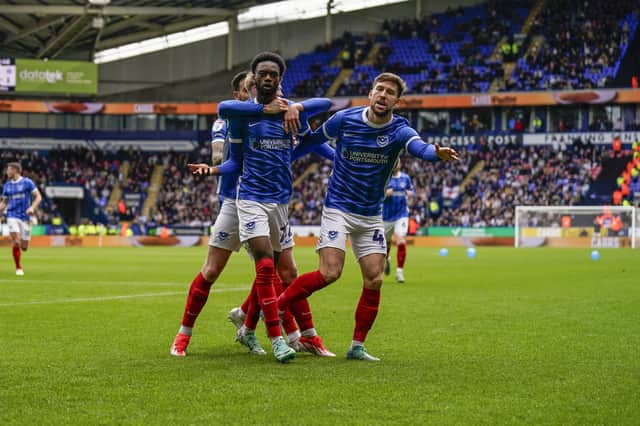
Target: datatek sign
[(74, 77), (569, 138)]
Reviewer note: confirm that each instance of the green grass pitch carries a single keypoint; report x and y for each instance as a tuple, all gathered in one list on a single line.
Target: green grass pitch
[(534, 336)]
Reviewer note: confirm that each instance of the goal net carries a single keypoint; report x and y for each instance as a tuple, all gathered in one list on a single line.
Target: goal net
[(577, 226)]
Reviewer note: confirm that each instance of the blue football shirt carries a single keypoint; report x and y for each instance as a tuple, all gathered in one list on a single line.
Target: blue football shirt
[(366, 154), (18, 194), (227, 184), (395, 207)]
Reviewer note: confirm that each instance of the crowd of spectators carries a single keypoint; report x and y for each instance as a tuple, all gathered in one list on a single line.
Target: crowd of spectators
[(583, 44), (94, 170), (522, 176), (305, 207), (511, 175), (185, 199), (453, 52)]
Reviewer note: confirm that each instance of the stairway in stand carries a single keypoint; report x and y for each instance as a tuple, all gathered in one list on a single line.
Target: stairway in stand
[(155, 183)]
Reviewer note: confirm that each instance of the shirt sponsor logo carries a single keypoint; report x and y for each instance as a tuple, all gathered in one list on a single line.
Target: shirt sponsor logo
[(271, 144), (365, 157)]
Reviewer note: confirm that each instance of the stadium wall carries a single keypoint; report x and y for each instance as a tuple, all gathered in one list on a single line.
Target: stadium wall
[(207, 57)]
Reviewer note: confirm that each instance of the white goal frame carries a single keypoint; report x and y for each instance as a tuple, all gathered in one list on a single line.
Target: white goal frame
[(634, 232)]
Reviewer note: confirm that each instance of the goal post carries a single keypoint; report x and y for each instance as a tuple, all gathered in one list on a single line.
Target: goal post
[(577, 226)]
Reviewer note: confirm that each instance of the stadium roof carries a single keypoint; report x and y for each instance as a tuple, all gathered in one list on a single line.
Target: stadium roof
[(109, 30), (76, 29)]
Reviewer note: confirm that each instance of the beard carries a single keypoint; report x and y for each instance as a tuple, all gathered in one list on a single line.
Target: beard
[(383, 113), (266, 92)]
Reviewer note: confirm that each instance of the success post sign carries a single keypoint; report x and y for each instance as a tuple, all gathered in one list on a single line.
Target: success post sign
[(56, 76)]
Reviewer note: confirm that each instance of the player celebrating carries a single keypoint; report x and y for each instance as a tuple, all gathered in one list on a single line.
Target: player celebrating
[(299, 327), (395, 214), (369, 140), (224, 237), (16, 198), (246, 317), (263, 147)]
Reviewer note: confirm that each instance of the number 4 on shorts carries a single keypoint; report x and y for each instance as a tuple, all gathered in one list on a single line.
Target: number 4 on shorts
[(378, 237)]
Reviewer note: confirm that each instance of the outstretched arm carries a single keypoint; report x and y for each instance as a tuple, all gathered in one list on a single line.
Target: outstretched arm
[(236, 109), (315, 106), (293, 121), (329, 131), (419, 148), (305, 147), (231, 166)]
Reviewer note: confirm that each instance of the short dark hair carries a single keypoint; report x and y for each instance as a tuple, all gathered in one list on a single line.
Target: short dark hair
[(268, 56), (16, 166), (237, 79), (393, 78)]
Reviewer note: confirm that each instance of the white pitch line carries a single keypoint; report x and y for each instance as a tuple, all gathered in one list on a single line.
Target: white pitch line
[(107, 298), (132, 283)]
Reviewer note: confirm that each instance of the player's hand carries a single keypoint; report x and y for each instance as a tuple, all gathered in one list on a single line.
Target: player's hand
[(276, 106), (292, 119), (446, 153), (30, 211), (200, 169), (388, 192)]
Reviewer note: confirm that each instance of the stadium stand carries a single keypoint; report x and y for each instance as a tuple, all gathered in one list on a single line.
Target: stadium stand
[(442, 53), (184, 199), (584, 44), (92, 170), (454, 51), (513, 176)]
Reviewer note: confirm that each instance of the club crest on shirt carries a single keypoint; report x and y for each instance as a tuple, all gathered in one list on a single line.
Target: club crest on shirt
[(382, 140)]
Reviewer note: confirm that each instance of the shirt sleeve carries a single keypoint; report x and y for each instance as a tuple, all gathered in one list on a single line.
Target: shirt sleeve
[(31, 186), (325, 150), (234, 109), (312, 107), (315, 106), (415, 146), (331, 127), (236, 130), (219, 130), (305, 128), (234, 163)]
